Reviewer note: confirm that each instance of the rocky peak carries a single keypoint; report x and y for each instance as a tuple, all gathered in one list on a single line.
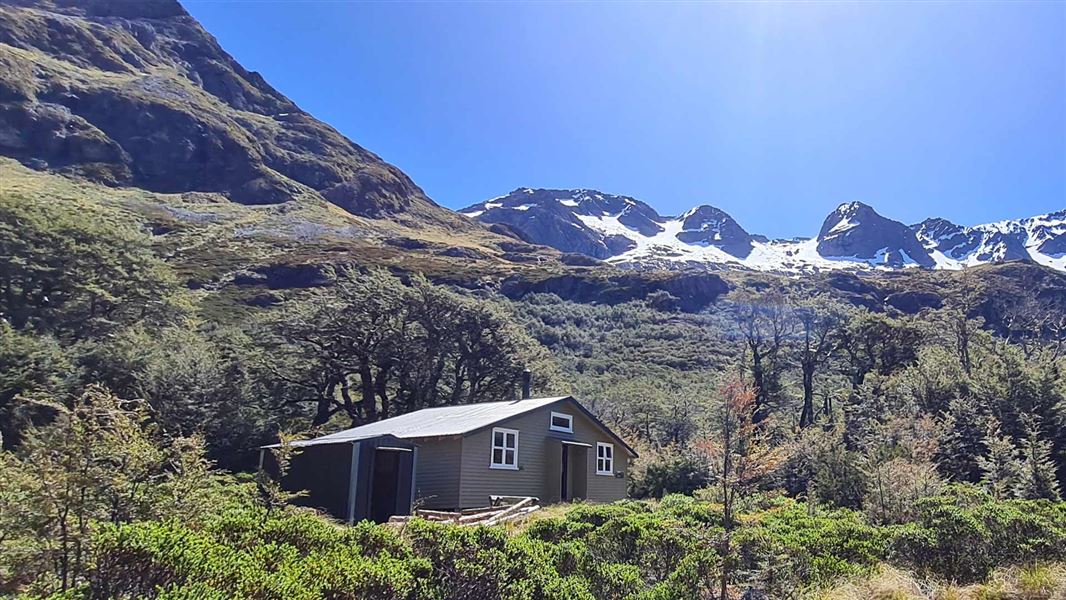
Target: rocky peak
[(709, 225), (954, 241), (1022, 239), (936, 229), (855, 231), (847, 217), (560, 218), (1049, 232)]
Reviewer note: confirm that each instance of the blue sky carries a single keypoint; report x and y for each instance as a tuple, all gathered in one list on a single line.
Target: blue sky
[(775, 113)]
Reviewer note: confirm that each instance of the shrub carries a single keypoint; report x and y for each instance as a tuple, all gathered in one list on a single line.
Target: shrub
[(467, 561), (965, 543), (613, 580), (793, 545), (297, 556), (668, 471), (692, 511), (694, 577), (626, 550), (557, 530), (598, 514), (654, 542)]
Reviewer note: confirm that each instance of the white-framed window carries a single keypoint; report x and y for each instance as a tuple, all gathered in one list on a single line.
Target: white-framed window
[(504, 449), (562, 422), (604, 458)]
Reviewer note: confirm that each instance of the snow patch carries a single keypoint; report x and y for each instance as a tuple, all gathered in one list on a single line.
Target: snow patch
[(843, 225)]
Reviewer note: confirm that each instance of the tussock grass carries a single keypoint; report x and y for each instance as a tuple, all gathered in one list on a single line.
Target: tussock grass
[(1031, 582)]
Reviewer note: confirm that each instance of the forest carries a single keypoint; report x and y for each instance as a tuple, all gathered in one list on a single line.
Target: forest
[(792, 445)]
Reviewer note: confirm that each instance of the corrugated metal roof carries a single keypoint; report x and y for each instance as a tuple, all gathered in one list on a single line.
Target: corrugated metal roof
[(436, 422)]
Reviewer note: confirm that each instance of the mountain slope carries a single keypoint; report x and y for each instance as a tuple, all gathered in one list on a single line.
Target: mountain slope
[(627, 232), (138, 94)]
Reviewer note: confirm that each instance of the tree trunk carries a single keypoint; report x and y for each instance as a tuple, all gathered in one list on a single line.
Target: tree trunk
[(758, 377), (366, 380), (727, 521), (724, 586), (323, 405), (807, 416), (349, 407), (381, 384)]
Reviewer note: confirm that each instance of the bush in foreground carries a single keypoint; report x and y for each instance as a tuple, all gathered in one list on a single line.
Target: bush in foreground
[(626, 550)]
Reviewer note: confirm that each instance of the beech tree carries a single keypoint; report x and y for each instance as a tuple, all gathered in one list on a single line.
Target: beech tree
[(34, 372), (78, 271), (739, 458), (819, 323), (371, 346), (765, 326), (103, 460), (876, 343), (963, 435)]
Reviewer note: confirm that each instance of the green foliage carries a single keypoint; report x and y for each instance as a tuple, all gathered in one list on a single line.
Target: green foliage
[(797, 545), (964, 540), (821, 467), (630, 549), (625, 550), (961, 442), (624, 341), (691, 511), (100, 462), (78, 270), (879, 344), (999, 464), (292, 556), (34, 372), (197, 380), (1036, 478), (371, 346), (666, 471)]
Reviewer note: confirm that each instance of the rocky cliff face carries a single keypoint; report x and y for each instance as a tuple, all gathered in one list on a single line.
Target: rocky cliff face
[(136, 93)]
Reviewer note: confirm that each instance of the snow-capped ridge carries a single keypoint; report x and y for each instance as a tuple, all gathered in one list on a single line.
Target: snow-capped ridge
[(628, 232), (1041, 239)]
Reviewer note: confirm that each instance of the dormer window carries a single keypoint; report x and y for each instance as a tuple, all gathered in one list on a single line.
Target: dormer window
[(562, 422)]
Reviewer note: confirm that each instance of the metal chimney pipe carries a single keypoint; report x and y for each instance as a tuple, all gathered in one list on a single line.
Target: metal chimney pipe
[(527, 384)]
